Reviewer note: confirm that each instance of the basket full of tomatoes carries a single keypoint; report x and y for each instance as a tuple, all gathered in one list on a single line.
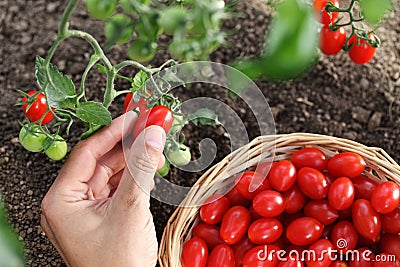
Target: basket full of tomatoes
[(290, 200)]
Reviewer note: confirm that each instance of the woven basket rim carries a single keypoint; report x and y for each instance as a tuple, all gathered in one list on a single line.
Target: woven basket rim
[(379, 166)]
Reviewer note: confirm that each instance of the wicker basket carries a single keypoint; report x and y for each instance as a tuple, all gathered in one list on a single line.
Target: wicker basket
[(380, 166)]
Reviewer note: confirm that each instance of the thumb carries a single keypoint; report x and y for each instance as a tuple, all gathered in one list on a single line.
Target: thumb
[(141, 164)]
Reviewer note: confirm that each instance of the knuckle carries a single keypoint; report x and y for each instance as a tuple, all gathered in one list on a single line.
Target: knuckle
[(143, 163)]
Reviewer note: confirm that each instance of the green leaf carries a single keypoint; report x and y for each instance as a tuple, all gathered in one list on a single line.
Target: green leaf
[(203, 116), (60, 93), (11, 250), (139, 80), (374, 10), (291, 46), (93, 113)]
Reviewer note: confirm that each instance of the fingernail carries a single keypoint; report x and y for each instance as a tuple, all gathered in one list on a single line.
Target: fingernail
[(154, 137)]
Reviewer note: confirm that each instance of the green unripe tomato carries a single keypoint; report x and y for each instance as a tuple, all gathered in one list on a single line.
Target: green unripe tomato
[(172, 18), (129, 8), (179, 157), (164, 169), (57, 149), (142, 50), (32, 140), (119, 29), (101, 9)]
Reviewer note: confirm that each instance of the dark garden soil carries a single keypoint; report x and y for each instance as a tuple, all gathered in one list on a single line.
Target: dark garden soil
[(337, 98)]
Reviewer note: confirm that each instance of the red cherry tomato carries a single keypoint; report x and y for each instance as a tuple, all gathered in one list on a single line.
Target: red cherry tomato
[(236, 199), (254, 214), (386, 197), (310, 157), (346, 164), (319, 9), (37, 109), (321, 210), (304, 231), (344, 236), (234, 224), (313, 183), (345, 214), (366, 220), (245, 183), (130, 105), (338, 263), (194, 253), (327, 231), (386, 260), (363, 187), (329, 178), (291, 262), (214, 209), (209, 233), (265, 231), (282, 175), (365, 258), (331, 42), (341, 193), (323, 252), (159, 115), (261, 256), (361, 52), (269, 203), (295, 199), (390, 243), (221, 256), (240, 248), (391, 222)]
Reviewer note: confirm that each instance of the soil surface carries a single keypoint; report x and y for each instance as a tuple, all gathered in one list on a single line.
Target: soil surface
[(336, 97)]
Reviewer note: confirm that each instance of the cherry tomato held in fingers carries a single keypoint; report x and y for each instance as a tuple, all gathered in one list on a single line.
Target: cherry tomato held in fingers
[(319, 9), (391, 222), (295, 199), (346, 164), (313, 183), (331, 42), (269, 203), (366, 220), (234, 224), (282, 175), (214, 209), (265, 231), (363, 187), (261, 256), (194, 253), (141, 105), (344, 236), (304, 231), (221, 256), (310, 157), (341, 193), (361, 51), (247, 181), (386, 197), (35, 111), (209, 233), (321, 210), (158, 115), (323, 251)]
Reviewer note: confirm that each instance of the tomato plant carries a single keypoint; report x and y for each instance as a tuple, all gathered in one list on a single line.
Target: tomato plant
[(361, 51), (35, 108), (320, 10)]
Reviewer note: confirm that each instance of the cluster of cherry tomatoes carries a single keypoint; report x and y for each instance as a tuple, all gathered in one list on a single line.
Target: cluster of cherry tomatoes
[(332, 42), (309, 203)]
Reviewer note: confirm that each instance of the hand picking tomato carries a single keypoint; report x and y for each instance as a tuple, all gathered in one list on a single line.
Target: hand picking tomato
[(319, 9), (310, 157), (331, 42), (282, 175), (221, 256), (195, 253), (37, 109), (361, 51), (234, 224), (141, 105), (385, 197), (214, 208), (346, 164), (158, 115)]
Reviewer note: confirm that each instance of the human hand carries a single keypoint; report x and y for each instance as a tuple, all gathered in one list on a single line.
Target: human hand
[(97, 213)]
